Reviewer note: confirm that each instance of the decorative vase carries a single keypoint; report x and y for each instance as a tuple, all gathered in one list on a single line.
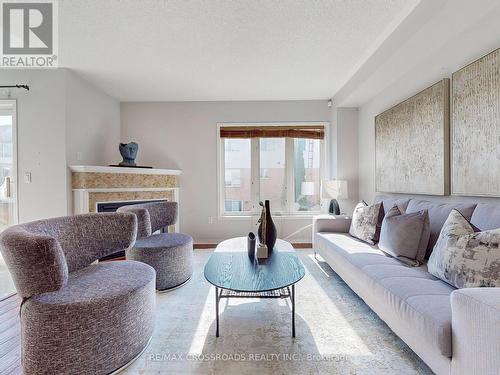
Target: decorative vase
[(128, 152), (267, 229), (251, 245)]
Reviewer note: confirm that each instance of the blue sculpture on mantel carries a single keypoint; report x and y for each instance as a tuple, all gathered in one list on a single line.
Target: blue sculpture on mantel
[(129, 153)]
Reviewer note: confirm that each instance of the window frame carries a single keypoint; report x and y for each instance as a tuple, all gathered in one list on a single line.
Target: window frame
[(255, 171)]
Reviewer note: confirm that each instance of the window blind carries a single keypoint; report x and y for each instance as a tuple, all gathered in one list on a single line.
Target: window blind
[(302, 131)]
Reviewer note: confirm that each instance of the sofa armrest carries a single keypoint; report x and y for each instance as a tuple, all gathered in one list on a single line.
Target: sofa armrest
[(476, 331), (36, 261), (331, 223)]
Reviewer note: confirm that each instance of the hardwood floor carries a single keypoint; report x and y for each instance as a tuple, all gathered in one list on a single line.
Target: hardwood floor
[(10, 336)]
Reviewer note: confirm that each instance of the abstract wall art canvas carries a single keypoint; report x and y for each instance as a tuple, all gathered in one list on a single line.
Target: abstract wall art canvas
[(475, 128), (412, 144)]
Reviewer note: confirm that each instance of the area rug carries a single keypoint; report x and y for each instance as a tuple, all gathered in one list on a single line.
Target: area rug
[(336, 332)]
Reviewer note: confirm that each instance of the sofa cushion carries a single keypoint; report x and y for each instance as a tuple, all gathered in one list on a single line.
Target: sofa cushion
[(163, 240), (408, 298), (378, 272), (438, 213), (486, 216), (405, 235), (365, 223), (97, 285), (389, 202), (465, 258), (423, 304), (345, 244)]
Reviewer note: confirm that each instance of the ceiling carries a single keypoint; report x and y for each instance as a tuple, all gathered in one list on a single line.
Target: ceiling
[(207, 50), (436, 39)]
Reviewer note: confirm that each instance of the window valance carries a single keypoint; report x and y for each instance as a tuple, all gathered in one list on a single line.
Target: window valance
[(301, 131)]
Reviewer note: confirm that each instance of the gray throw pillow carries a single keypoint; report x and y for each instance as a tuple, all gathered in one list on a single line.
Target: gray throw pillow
[(364, 224), (465, 258), (405, 236)]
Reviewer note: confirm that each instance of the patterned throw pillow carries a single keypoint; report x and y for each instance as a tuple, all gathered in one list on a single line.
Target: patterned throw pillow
[(365, 222), (405, 236), (465, 258)]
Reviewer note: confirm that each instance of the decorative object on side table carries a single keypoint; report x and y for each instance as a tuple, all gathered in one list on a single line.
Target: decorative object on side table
[(262, 251), (251, 245), (128, 152), (334, 189), (267, 230)]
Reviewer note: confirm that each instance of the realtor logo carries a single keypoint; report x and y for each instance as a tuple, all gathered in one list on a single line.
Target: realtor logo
[(29, 34)]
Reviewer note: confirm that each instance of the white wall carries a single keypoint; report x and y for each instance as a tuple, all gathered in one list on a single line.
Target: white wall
[(92, 126), (92, 123), (183, 135), (60, 114), (473, 41), (41, 141), (345, 142)]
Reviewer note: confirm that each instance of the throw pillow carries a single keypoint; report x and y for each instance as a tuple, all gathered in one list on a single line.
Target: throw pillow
[(405, 236), (364, 224), (465, 258)]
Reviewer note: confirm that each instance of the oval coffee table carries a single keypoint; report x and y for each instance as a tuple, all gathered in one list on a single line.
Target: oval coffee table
[(237, 276)]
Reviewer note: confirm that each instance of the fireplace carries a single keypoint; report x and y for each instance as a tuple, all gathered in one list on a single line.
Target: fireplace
[(105, 189), (113, 206)]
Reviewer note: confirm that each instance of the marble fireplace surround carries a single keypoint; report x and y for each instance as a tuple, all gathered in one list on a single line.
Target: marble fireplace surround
[(92, 185)]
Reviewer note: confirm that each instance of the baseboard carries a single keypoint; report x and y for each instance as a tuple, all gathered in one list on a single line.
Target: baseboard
[(302, 245), (204, 246)]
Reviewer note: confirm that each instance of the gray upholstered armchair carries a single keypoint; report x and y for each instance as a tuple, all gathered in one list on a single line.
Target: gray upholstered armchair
[(77, 316), (170, 254)]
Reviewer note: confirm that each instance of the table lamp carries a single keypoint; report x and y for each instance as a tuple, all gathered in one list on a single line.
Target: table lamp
[(307, 188), (334, 189)]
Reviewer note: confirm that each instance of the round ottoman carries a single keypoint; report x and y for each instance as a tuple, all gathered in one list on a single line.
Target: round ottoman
[(170, 254)]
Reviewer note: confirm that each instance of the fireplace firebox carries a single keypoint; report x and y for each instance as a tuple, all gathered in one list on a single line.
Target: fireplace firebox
[(112, 207)]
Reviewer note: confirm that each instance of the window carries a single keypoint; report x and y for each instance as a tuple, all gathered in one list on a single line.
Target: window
[(233, 206), (264, 173), (237, 175), (307, 174), (233, 178), (283, 164), (272, 157)]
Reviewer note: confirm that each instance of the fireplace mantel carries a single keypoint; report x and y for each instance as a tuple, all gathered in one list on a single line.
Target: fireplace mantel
[(98, 184), (122, 170)]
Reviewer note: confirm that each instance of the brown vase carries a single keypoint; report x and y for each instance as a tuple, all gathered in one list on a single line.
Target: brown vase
[(271, 233)]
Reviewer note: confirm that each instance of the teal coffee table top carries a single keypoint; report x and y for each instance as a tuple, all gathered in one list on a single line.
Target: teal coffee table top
[(229, 267)]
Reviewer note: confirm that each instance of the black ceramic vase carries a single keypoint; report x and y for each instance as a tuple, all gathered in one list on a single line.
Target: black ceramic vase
[(270, 229), (251, 245)]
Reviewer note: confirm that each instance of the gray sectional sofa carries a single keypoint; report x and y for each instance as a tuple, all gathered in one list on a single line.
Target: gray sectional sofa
[(455, 331)]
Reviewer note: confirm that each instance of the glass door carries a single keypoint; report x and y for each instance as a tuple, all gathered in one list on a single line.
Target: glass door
[(8, 182), (8, 164)]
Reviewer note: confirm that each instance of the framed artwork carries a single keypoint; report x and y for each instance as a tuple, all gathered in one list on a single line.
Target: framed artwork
[(475, 128), (412, 144)]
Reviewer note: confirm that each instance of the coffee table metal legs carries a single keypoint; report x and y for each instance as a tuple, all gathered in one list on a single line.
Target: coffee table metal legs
[(292, 297), (217, 311), (283, 293)]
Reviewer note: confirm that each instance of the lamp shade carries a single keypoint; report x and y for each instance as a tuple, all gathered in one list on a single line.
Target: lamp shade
[(336, 189), (307, 188)]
